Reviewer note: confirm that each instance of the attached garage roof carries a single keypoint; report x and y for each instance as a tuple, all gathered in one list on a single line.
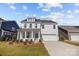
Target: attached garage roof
[(70, 28)]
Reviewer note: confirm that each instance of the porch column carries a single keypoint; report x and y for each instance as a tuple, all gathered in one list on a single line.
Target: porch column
[(39, 35), (25, 35), (32, 36), (18, 35)]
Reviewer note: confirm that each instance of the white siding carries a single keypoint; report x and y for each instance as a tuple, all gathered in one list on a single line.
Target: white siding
[(33, 25), (49, 29), (48, 33)]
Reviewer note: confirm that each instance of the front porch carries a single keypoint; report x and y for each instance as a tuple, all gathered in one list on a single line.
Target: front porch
[(28, 34)]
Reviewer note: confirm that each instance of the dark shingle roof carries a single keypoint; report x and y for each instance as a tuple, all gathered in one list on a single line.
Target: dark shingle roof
[(70, 28), (46, 21), (1, 19), (9, 26), (43, 21)]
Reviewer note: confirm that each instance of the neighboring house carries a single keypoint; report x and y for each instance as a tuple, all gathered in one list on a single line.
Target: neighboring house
[(69, 32), (36, 29), (1, 20), (8, 28)]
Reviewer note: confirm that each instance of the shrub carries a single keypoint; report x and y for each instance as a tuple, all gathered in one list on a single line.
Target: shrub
[(21, 40), (10, 42), (24, 43), (61, 39), (31, 41), (40, 41), (14, 37), (3, 38), (17, 41)]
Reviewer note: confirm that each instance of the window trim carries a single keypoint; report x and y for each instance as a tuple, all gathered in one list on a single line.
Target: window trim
[(43, 26), (36, 26), (28, 35), (30, 25), (25, 25), (36, 35), (54, 26), (23, 34)]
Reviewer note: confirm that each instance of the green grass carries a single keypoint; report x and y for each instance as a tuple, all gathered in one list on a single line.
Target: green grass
[(22, 50), (71, 42)]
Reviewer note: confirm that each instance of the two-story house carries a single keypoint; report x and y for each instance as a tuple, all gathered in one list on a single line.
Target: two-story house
[(36, 29)]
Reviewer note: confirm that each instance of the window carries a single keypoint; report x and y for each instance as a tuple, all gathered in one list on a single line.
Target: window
[(13, 28), (42, 26), (28, 35), (25, 25), (30, 25), (35, 25), (36, 35), (54, 27), (23, 34)]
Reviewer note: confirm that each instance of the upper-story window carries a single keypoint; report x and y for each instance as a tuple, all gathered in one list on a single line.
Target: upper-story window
[(54, 27), (25, 25), (13, 28), (35, 25), (42, 26), (30, 25)]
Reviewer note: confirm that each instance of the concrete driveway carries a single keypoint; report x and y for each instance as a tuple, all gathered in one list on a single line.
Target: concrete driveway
[(57, 48)]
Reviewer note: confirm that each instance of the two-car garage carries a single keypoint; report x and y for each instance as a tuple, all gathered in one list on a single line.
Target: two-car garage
[(50, 37), (74, 36), (69, 32)]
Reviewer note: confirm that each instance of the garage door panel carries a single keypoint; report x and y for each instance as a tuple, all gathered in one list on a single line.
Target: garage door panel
[(50, 38), (75, 37)]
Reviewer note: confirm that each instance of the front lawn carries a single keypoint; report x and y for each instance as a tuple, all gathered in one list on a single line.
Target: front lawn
[(19, 49), (72, 42)]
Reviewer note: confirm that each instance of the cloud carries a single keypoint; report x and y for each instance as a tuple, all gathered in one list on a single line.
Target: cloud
[(18, 13), (30, 15), (47, 6), (24, 7), (76, 11), (55, 16), (13, 7), (44, 9), (27, 15), (34, 15), (76, 4), (69, 11), (70, 16), (55, 5)]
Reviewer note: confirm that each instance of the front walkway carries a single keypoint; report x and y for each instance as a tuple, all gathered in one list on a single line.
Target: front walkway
[(56, 48)]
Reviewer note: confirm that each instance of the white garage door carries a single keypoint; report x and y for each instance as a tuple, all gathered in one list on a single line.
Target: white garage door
[(50, 37), (75, 36)]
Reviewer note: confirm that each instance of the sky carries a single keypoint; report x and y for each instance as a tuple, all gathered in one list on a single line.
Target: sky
[(62, 13)]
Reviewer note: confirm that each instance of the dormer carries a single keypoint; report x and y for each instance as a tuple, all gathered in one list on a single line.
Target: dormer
[(31, 19)]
